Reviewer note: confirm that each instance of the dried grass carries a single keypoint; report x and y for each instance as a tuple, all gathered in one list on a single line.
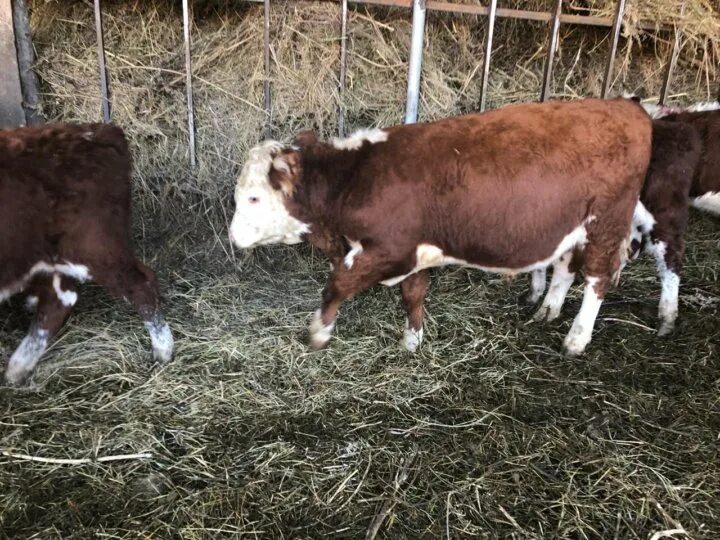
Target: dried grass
[(488, 432)]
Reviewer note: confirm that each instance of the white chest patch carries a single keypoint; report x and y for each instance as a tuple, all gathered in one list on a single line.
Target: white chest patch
[(429, 256), (356, 140), (78, 272), (710, 202)]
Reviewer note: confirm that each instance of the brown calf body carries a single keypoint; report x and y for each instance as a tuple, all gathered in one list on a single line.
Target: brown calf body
[(64, 219), (503, 191), (706, 178)]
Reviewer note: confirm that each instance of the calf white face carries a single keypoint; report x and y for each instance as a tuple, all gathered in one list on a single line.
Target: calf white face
[(260, 213)]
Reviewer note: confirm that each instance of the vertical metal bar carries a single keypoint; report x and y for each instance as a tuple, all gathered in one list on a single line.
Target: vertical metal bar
[(614, 38), (552, 45), (415, 64), (188, 83), (488, 52), (104, 90), (26, 60), (343, 67), (266, 83), (673, 59)]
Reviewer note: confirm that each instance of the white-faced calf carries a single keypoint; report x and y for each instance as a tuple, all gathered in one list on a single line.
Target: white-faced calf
[(65, 219), (507, 191)]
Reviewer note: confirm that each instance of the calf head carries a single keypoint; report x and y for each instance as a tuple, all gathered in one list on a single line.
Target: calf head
[(268, 179)]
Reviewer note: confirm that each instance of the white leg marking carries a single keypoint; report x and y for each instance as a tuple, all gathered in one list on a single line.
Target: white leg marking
[(319, 333), (562, 280), (26, 356), (67, 298), (161, 338), (709, 202), (538, 283), (581, 331), (356, 140), (31, 303), (412, 338), (670, 282), (355, 250)]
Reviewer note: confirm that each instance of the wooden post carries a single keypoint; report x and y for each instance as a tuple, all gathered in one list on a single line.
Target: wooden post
[(552, 45), (488, 52), (26, 60), (617, 24), (11, 111)]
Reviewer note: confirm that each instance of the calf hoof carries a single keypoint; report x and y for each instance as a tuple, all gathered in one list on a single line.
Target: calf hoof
[(412, 339), (319, 333), (574, 345), (162, 339), (17, 377), (666, 328), (530, 299), (546, 314)]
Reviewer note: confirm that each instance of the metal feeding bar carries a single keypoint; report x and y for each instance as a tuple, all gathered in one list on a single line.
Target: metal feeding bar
[(104, 86), (614, 38), (188, 84), (672, 61), (553, 32), (488, 52), (343, 67), (415, 64), (266, 60)]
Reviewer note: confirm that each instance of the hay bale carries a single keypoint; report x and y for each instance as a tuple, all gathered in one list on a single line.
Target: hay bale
[(145, 62)]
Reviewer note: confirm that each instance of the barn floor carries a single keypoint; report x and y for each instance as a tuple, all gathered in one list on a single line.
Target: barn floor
[(488, 432)]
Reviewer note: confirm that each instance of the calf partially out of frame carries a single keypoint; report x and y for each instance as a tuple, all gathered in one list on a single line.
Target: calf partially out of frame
[(508, 191), (659, 223), (65, 219)]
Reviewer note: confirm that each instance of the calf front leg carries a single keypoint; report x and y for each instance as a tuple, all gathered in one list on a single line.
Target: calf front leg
[(56, 295), (413, 290), (368, 269)]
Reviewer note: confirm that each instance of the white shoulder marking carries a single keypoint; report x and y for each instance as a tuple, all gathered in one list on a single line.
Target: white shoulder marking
[(356, 140), (710, 202), (355, 250)]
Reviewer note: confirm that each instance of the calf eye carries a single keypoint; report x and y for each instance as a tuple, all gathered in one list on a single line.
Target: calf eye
[(253, 200)]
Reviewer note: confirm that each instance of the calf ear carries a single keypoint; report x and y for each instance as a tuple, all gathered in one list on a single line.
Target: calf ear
[(286, 170), (305, 138)]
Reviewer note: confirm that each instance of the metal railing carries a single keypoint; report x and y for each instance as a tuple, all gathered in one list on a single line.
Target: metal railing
[(419, 9)]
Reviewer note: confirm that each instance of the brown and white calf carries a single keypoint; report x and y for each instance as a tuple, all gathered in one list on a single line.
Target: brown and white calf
[(65, 219), (685, 169), (506, 191)]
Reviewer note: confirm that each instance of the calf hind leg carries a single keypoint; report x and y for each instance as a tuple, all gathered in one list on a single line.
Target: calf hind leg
[(413, 289), (668, 255), (56, 295), (137, 283), (538, 282), (562, 279)]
